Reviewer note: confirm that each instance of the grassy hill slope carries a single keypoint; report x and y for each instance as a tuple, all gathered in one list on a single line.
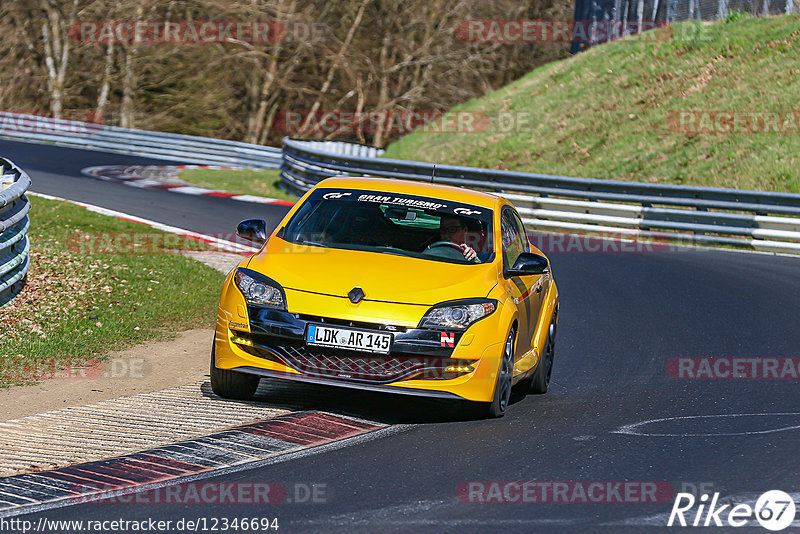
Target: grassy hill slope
[(607, 112)]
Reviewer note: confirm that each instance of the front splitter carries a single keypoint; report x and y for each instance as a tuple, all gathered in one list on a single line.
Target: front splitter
[(364, 386)]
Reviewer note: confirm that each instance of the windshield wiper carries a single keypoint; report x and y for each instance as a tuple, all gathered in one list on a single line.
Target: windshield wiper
[(314, 243), (393, 251)]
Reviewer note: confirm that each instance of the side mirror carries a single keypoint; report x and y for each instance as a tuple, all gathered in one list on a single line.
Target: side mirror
[(400, 213), (254, 230), (529, 264)]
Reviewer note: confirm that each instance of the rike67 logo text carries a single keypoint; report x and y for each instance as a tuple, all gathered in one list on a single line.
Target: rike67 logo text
[(774, 510)]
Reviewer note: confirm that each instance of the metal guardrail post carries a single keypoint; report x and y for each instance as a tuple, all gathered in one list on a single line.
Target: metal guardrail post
[(156, 145), (14, 223)]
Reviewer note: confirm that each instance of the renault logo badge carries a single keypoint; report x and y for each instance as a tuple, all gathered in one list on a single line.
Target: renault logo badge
[(356, 295)]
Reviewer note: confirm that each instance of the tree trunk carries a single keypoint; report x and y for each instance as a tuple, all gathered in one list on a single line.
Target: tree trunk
[(56, 52), (255, 123), (102, 98), (126, 119), (334, 66), (383, 95)]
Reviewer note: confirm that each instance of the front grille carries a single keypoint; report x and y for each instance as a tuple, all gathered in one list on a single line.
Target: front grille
[(348, 365), (349, 323), (318, 361)]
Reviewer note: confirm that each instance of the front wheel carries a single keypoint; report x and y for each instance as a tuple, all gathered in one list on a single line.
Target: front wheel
[(232, 384), (502, 389)]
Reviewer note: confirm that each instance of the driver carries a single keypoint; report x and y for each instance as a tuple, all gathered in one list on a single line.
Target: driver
[(452, 243)]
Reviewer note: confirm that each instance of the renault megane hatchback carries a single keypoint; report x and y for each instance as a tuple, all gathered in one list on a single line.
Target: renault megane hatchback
[(392, 286)]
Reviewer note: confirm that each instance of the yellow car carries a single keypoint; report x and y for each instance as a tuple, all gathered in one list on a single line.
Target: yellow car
[(394, 286)]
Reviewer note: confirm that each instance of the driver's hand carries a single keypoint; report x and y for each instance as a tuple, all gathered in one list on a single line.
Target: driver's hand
[(469, 252)]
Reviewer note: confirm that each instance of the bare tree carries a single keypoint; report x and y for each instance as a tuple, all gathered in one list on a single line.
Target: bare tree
[(374, 56), (335, 65), (102, 98)]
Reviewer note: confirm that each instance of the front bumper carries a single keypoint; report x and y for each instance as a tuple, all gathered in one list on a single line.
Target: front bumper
[(347, 384), (272, 343)]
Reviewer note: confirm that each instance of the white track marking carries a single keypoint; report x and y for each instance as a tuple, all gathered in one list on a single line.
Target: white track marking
[(217, 242), (634, 428), (132, 178), (194, 190), (258, 464), (409, 515)]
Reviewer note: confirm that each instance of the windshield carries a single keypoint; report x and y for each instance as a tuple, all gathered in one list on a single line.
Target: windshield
[(408, 225)]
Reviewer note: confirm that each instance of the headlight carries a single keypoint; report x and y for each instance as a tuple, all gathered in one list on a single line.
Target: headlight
[(457, 315), (259, 290)]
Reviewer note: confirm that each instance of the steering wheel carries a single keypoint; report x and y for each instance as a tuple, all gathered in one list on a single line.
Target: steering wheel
[(450, 244)]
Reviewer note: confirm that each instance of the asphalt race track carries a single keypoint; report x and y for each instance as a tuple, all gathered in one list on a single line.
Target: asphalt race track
[(623, 317), (57, 171)]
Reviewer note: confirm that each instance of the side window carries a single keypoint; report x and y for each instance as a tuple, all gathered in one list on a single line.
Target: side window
[(523, 235), (514, 243)]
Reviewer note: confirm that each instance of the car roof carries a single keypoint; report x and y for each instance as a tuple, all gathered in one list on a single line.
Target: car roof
[(411, 187)]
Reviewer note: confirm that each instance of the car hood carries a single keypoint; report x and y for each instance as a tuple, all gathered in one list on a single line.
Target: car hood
[(382, 277)]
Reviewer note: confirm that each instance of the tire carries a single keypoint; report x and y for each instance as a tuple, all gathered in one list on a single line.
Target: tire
[(502, 388), (540, 381), (232, 384)]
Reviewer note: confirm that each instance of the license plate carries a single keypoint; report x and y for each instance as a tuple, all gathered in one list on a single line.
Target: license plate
[(346, 338)]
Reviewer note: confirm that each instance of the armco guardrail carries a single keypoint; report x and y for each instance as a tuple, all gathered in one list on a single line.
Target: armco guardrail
[(756, 220), (157, 145), (14, 245), (343, 149)]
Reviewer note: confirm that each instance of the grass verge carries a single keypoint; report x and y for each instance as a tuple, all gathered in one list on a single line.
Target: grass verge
[(610, 112), (78, 306), (262, 183)]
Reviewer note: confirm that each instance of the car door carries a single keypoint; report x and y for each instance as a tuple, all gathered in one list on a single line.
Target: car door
[(519, 287), (540, 285)]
